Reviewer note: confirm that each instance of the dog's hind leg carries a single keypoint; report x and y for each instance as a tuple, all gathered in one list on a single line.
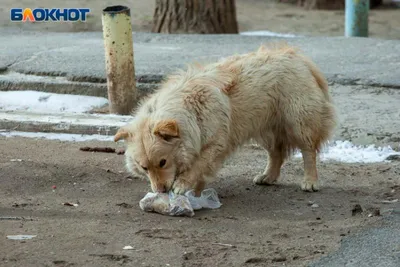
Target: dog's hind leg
[(310, 182), (273, 169), (309, 143)]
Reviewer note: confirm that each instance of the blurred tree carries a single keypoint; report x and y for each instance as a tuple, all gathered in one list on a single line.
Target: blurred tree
[(330, 4), (195, 16)]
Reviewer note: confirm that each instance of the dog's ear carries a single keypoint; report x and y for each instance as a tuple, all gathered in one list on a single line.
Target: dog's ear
[(123, 134), (167, 129)]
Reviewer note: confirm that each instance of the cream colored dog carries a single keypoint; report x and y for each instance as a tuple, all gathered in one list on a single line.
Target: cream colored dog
[(182, 134)]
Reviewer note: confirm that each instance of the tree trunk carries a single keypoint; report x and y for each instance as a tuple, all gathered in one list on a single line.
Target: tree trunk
[(331, 4), (195, 16)]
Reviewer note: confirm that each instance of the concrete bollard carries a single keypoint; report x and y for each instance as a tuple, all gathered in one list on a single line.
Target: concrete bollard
[(118, 44), (356, 18)]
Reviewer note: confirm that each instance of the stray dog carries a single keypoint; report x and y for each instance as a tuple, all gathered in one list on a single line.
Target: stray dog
[(181, 135)]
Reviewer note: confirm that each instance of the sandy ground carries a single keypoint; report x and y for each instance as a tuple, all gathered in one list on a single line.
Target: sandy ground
[(266, 226), (251, 15)]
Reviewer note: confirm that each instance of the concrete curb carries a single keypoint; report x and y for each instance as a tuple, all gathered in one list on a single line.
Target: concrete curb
[(14, 81), (62, 123)]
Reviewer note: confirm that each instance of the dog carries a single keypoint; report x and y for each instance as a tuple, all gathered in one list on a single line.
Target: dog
[(182, 134)]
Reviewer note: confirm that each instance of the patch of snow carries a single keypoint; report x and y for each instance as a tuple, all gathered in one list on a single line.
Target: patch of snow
[(13, 76), (271, 34), (65, 119), (345, 151), (167, 47), (59, 136), (34, 101)]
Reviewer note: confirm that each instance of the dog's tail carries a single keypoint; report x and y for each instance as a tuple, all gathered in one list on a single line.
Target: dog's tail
[(318, 76)]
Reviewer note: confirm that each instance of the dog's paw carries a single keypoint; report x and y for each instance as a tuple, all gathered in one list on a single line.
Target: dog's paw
[(180, 187), (264, 179), (310, 185)]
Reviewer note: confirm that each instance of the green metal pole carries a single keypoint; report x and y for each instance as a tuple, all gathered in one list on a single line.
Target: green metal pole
[(356, 18)]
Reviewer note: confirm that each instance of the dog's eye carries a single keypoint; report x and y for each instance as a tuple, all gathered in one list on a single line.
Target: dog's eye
[(144, 168), (162, 163)]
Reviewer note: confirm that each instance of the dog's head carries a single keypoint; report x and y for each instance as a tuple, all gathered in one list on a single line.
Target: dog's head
[(153, 150)]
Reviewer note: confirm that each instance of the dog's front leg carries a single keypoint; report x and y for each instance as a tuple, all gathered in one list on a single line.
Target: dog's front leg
[(187, 181), (208, 163)]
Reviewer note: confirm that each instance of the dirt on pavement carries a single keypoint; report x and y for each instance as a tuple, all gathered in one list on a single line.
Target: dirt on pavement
[(252, 15), (256, 225)]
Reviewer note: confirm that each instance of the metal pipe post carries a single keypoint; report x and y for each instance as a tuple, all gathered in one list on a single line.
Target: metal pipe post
[(356, 18), (118, 44)]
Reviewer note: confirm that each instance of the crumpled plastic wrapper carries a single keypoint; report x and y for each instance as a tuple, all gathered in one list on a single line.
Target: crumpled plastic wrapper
[(179, 205)]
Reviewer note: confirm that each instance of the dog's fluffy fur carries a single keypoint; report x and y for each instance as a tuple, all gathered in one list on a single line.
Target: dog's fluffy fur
[(182, 134)]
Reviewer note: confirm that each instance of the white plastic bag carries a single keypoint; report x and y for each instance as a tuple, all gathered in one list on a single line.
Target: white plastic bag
[(166, 204), (207, 200), (179, 205)]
